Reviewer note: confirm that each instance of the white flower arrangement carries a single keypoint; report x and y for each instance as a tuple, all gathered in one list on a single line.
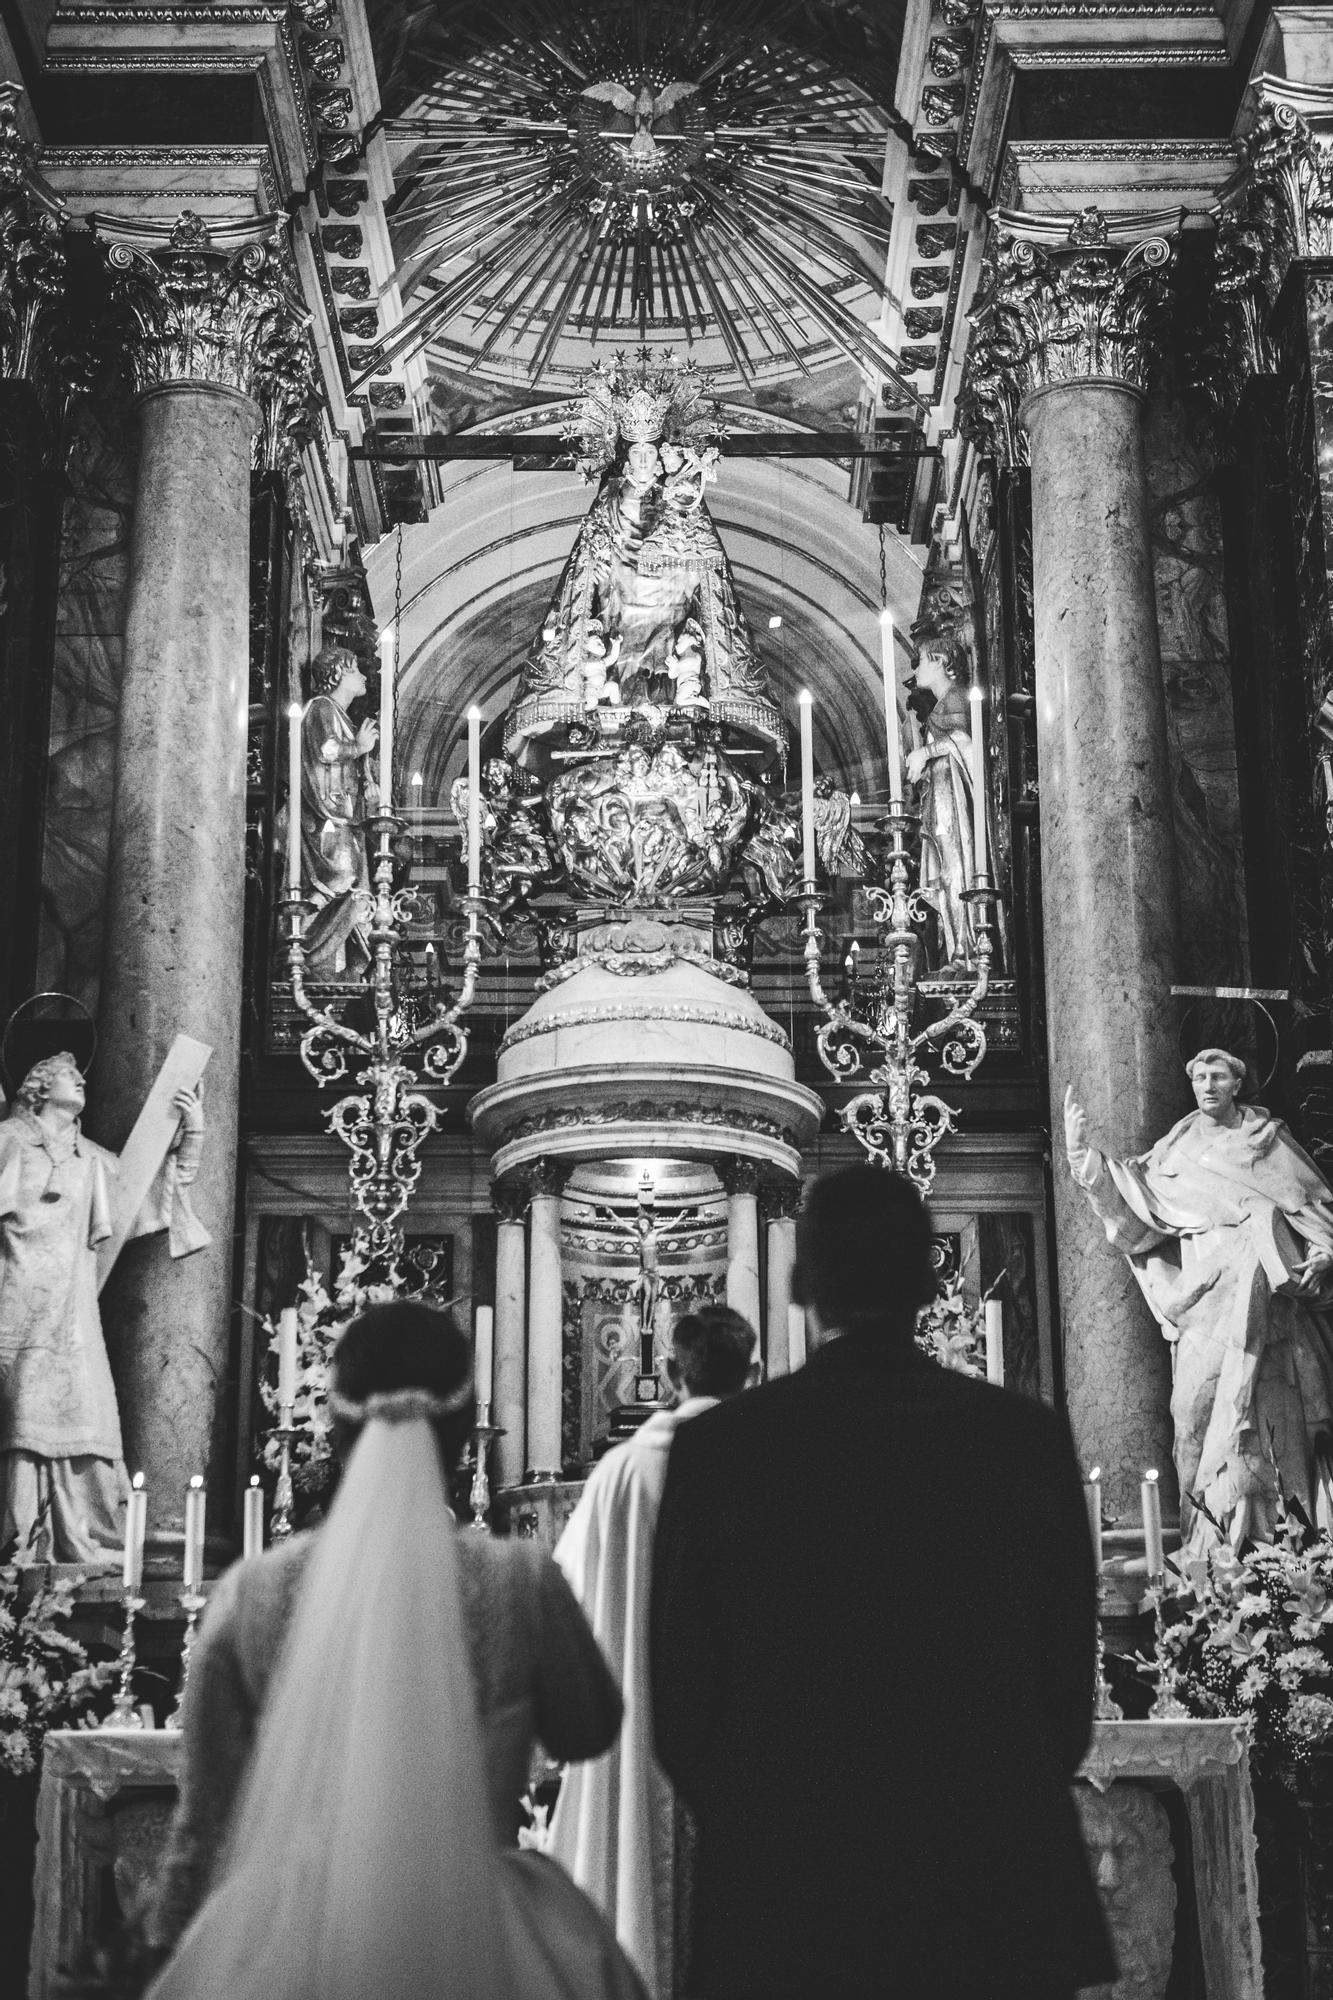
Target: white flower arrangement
[(1249, 1632), (46, 1679), (953, 1333)]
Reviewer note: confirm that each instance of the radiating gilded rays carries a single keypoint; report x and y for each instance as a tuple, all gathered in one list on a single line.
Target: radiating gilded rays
[(635, 166)]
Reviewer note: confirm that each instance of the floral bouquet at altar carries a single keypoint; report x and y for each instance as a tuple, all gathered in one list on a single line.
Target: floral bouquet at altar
[(952, 1332), (46, 1680), (321, 1315), (1250, 1632)]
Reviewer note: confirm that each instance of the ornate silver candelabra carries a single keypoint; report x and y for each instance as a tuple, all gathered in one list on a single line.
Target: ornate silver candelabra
[(1167, 1705), (124, 1714), (383, 1124), (192, 1603), (284, 1431), (484, 1434), (1105, 1707), (899, 1121)]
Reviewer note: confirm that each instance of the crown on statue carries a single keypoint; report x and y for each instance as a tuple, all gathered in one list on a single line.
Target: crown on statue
[(640, 403)]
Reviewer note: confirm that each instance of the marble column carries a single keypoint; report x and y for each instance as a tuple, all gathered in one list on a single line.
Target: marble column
[(780, 1202), (1076, 300), (206, 304), (545, 1322), (511, 1357), (32, 279), (740, 1178)]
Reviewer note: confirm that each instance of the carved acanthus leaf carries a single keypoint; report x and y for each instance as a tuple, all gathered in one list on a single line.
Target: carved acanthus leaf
[(32, 246), (212, 302), (1062, 298)]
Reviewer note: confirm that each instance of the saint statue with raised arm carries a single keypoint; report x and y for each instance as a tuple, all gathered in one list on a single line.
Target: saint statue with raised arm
[(337, 796), (1228, 1227), (62, 1476)]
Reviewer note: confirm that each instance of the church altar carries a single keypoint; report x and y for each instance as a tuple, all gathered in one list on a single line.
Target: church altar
[(102, 1816), (106, 1796)]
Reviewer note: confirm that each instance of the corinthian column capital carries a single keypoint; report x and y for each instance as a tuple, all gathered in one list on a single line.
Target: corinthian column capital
[(1062, 298), (211, 303), (32, 245), (1285, 185)]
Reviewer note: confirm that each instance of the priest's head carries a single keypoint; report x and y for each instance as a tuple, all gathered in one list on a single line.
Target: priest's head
[(712, 1352), (403, 1345), (1217, 1077), (863, 1254)]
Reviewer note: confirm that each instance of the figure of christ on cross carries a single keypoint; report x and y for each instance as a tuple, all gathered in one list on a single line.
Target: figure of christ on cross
[(648, 1288)]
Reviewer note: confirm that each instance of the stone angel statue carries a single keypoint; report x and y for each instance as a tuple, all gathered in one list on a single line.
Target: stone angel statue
[(61, 1200), (841, 848)]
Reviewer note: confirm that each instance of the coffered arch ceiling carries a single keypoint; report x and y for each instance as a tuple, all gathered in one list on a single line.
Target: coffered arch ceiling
[(573, 173), (478, 576)]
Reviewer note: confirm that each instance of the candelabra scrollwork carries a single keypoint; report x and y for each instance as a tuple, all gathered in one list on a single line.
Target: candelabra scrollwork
[(384, 1123), (897, 1119)]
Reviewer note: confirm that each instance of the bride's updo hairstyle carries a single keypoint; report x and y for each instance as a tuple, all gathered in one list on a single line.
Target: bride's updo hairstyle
[(397, 1351)]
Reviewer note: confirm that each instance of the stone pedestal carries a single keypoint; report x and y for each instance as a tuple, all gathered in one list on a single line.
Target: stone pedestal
[(545, 1326), (1108, 889), (510, 1378), (175, 909)]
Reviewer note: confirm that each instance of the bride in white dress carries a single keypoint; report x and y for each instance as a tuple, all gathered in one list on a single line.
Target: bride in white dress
[(361, 1714)]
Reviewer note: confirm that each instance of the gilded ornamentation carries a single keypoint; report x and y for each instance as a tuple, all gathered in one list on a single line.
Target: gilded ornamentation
[(212, 302), (687, 1012), (1288, 155), (1063, 298), (32, 245)]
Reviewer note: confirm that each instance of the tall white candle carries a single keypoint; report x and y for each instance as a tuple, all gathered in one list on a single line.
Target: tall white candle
[(252, 1521), (386, 720), (484, 1357), (286, 1363), (473, 801), (1092, 1490), (805, 705), (995, 1342), (978, 756), (195, 1503), (136, 1522), (294, 798), (892, 728), (1150, 1494), (795, 1336)]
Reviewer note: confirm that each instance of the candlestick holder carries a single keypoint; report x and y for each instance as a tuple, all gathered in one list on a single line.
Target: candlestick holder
[(124, 1714), (899, 1122), (284, 1431), (484, 1433), (1167, 1705), (384, 1124), (192, 1603), (1105, 1708)]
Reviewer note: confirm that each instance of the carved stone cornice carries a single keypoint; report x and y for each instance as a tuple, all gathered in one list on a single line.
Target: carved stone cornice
[(1062, 298), (213, 303), (32, 246)]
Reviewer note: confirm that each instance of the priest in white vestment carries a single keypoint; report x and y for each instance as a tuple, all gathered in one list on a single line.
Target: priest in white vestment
[(613, 1824)]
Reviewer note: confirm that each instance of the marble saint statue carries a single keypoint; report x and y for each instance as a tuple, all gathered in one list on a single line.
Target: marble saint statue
[(1228, 1227), (337, 794), (60, 1449), (939, 767)]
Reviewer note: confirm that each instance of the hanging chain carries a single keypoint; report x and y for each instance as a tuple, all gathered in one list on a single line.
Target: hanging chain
[(397, 660), (883, 573)]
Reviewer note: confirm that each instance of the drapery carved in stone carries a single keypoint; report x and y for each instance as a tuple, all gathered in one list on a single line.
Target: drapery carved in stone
[(1062, 298), (212, 303), (32, 246)]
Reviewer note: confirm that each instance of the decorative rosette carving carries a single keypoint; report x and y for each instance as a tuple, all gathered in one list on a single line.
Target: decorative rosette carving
[(213, 302), (1063, 298)]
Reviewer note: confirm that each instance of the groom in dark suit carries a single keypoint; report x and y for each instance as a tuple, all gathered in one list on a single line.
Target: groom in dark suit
[(872, 1654)]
